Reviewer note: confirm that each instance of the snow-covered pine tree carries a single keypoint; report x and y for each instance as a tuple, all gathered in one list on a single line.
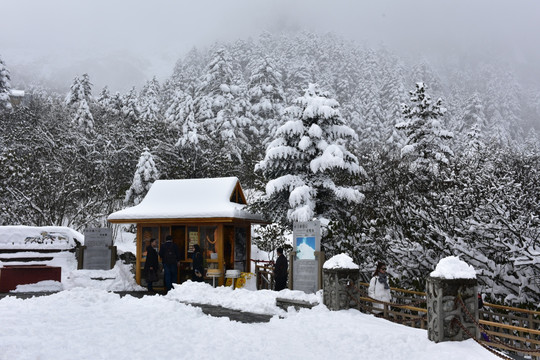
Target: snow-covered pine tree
[(531, 146), (145, 175), (76, 92), (423, 72), (187, 72), (83, 118), (189, 154), (266, 97), (221, 106), (474, 113), (242, 53), (392, 94), (498, 129), (80, 89), (425, 151), (130, 107), (475, 141), (371, 68), (344, 75), (372, 118), (78, 99), (471, 126), (5, 87), (116, 104), (149, 102), (511, 106), (298, 78), (181, 117), (535, 104), (174, 114), (87, 88), (309, 170), (104, 98)]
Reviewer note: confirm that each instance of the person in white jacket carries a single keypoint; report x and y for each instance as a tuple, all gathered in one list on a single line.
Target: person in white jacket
[(378, 287)]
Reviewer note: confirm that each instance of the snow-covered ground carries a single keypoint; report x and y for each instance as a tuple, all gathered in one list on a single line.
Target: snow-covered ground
[(89, 323), (120, 278), (85, 320)]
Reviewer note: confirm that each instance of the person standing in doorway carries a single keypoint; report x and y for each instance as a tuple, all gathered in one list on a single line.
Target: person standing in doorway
[(151, 265), (197, 264), (280, 270), (170, 257)]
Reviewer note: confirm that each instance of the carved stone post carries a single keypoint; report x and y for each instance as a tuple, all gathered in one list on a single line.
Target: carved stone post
[(335, 287), (445, 308)]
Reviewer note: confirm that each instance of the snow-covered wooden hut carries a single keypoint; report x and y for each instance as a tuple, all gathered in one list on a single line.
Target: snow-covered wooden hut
[(208, 212)]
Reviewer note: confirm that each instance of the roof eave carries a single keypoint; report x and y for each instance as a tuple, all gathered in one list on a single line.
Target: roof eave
[(188, 220)]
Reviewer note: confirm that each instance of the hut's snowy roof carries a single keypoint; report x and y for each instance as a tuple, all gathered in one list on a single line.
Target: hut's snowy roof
[(187, 199)]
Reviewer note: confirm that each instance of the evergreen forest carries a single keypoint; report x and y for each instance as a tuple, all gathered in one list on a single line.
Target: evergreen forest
[(402, 160)]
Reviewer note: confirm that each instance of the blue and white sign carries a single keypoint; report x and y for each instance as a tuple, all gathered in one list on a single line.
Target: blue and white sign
[(305, 248), (307, 241)]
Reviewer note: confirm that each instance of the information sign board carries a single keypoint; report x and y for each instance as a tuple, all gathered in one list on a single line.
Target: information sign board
[(97, 253), (97, 237), (307, 245)]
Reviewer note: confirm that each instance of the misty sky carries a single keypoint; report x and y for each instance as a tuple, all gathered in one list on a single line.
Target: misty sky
[(124, 42)]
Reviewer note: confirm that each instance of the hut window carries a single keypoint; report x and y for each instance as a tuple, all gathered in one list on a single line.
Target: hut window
[(193, 238), (240, 248), (147, 234)]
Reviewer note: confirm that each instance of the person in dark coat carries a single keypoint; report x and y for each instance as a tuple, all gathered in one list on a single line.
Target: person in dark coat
[(170, 257), (197, 264), (151, 266), (281, 273)]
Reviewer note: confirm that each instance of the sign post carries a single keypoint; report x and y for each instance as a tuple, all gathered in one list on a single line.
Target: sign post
[(307, 256), (98, 252)]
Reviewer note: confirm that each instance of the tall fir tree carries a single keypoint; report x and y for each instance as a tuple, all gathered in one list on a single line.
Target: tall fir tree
[(392, 95), (221, 106), (474, 113), (79, 99), (181, 117), (266, 97), (425, 151), (104, 98), (309, 170), (149, 100), (130, 107)]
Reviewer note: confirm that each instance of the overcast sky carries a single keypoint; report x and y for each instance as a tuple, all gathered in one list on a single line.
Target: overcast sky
[(57, 37)]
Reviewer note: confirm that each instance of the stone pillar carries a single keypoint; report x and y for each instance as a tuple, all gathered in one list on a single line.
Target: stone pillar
[(335, 287), (443, 307)]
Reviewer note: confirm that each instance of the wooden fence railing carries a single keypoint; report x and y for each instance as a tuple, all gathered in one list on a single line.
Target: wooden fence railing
[(408, 307), (503, 327), (514, 329)]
